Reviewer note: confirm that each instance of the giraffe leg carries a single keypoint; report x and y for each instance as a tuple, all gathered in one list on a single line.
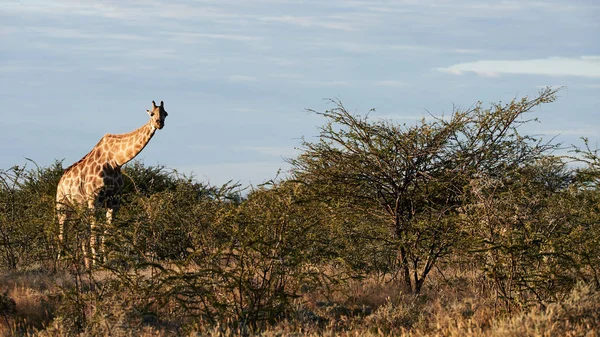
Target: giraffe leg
[(85, 247), (89, 242), (101, 233), (111, 212), (61, 213)]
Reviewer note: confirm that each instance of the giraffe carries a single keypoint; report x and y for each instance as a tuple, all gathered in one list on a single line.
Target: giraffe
[(96, 179)]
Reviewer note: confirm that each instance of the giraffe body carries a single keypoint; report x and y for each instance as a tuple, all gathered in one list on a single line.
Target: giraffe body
[(96, 179)]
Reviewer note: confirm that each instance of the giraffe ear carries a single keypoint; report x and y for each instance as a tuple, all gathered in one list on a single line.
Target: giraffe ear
[(149, 112)]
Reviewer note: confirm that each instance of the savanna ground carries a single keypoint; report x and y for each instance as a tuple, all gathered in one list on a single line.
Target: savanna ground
[(460, 226)]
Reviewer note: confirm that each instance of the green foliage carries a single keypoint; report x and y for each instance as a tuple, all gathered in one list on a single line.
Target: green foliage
[(158, 224), (589, 174), (148, 180), (275, 247), (583, 203), (535, 229), (416, 175), (520, 229), (27, 214), (209, 256)]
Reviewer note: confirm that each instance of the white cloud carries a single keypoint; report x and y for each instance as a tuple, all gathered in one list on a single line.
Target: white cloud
[(584, 66)]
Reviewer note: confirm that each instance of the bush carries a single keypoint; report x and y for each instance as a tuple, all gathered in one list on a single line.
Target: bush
[(27, 226)]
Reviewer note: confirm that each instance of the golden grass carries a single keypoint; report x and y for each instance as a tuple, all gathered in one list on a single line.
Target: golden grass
[(33, 295), (455, 304)]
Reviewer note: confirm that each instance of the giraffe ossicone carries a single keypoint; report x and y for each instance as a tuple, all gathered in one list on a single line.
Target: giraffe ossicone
[(96, 180)]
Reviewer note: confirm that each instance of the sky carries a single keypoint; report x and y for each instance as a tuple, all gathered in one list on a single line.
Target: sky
[(237, 76)]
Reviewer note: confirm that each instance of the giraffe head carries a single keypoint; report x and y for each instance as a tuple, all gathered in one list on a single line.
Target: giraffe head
[(158, 115)]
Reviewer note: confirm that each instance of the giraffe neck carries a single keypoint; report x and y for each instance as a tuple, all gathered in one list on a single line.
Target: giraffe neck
[(123, 148)]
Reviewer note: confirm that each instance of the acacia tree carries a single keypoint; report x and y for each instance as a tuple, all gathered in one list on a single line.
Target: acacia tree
[(537, 228), (521, 221), (585, 213), (415, 176)]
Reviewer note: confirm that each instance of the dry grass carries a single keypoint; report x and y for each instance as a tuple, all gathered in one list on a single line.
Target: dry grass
[(455, 304), (34, 295)]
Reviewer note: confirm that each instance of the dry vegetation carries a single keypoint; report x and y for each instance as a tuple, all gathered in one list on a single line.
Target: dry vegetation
[(457, 227), (451, 306)]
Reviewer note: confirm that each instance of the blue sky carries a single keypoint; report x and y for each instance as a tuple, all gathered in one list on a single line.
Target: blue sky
[(236, 76)]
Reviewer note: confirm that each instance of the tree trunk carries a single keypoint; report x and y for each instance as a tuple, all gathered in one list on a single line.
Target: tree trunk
[(405, 270)]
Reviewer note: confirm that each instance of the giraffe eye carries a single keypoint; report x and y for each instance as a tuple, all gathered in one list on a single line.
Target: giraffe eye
[(152, 114)]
